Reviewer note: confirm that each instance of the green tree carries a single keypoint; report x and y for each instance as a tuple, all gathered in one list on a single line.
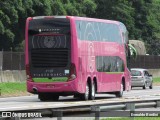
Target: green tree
[(8, 18), (120, 10), (147, 20), (13, 15), (153, 22), (141, 17)]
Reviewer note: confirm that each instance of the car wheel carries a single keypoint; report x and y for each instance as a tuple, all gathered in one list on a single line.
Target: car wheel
[(120, 93), (92, 92), (85, 96), (144, 87), (151, 86)]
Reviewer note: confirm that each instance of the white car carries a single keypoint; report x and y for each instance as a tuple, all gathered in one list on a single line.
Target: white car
[(141, 78)]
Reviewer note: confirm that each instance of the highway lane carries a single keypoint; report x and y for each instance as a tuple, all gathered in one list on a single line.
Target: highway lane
[(12, 103), (135, 92)]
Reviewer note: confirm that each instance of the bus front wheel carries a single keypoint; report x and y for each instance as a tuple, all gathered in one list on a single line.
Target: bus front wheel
[(85, 96)]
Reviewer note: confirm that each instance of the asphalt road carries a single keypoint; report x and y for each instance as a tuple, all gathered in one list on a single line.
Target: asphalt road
[(30, 101)]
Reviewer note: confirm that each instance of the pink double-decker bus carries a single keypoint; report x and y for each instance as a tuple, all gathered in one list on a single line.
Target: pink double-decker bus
[(67, 55)]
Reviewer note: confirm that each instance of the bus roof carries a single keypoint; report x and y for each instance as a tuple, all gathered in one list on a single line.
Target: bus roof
[(79, 18)]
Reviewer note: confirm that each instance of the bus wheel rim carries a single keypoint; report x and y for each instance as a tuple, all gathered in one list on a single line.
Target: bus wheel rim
[(121, 89), (87, 92), (93, 90)]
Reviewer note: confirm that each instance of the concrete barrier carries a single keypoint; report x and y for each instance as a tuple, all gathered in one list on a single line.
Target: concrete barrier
[(155, 72), (13, 76)]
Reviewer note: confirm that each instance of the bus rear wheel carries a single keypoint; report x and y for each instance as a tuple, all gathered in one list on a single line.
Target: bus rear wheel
[(92, 91), (42, 97), (120, 93), (55, 97), (48, 97)]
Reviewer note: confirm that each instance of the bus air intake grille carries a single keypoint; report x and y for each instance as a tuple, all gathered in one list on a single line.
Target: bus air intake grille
[(44, 58)]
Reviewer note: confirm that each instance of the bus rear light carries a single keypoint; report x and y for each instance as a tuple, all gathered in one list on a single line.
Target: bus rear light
[(72, 77), (28, 76), (72, 74), (28, 72)]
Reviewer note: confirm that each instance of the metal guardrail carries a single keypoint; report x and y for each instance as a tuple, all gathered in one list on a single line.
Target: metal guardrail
[(95, 110), (126, 106)]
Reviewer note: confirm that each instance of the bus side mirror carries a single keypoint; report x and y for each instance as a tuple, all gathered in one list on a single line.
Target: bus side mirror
[(133, 51)]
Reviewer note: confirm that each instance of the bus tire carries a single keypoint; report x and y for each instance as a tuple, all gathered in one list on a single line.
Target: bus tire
[(55, 97), (76, 96), (120, 93), (85, 96), (42, 97), (92, 91), (48, 97)]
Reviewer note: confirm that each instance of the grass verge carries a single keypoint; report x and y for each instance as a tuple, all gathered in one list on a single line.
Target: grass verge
[(13, 89), (135, 118), (19, 89), (156, 81)]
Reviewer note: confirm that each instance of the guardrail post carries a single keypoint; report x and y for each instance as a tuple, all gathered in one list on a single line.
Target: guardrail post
[(12, 118), (17, 118), (58, 114), (131, 107), (158, 103), (96, 109)]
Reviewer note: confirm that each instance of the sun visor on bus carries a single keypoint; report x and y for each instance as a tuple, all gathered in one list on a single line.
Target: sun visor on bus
[(49, 26)]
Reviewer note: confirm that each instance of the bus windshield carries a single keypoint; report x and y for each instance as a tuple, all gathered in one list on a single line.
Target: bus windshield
[(49, 33)]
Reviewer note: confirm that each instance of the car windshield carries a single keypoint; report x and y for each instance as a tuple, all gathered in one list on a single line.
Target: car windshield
[(135, 73)]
